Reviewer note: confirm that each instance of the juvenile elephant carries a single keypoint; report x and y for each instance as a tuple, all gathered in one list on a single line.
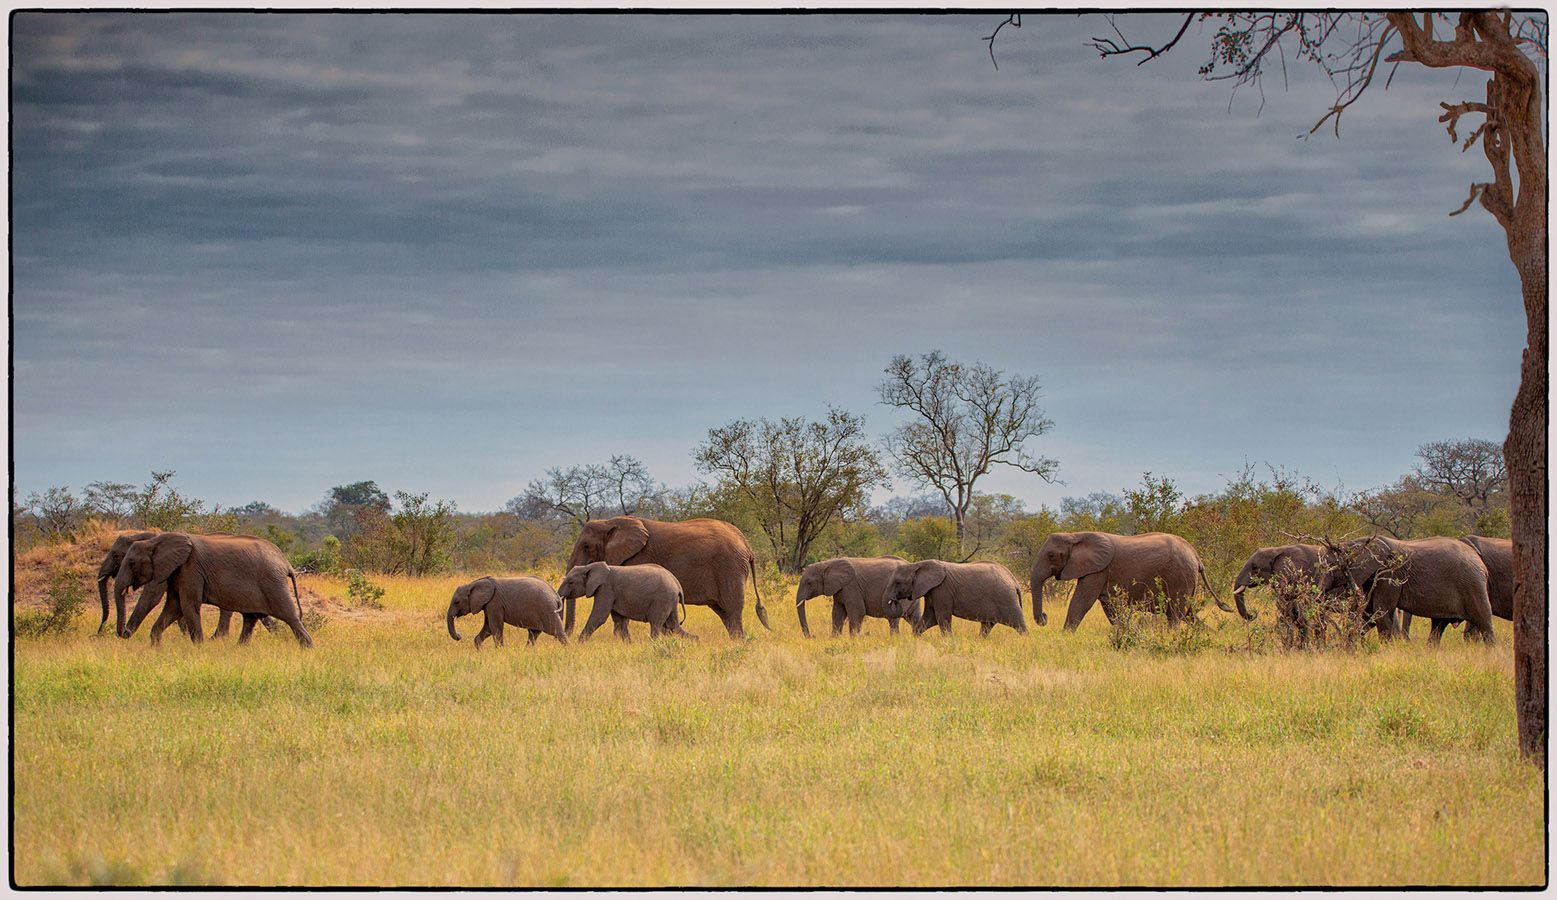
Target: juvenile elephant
[(526, 602), (1440, 578), (1498, 556), (239, 573), (857, 585), (984, 592), (1144, 568), (151, 595), (646, 593), (1293, 571), (708, 557)]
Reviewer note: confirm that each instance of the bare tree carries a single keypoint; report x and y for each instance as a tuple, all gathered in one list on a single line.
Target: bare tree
[(111, 500), (1512, 48), (968, 418), (57, 512), (797, 476), (1472, 471), (1400, 508), (621, 486)]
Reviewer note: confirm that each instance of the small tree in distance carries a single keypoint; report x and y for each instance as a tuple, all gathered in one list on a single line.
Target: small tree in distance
[(967, 418)]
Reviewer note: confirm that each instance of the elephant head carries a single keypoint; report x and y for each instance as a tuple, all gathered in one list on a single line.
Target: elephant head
[(108, 569), (581, 581), (910, 582), (1068, 556), (613, 541), (153, 559), (821, 579), (469, 598), (1259, 570)]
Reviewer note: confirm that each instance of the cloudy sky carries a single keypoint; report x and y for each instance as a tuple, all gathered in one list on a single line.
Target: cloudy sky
[(282, 252)]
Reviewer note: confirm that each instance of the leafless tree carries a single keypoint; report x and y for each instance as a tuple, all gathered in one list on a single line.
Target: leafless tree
[(1511, 48), (796, 476), (57, 512), (1472, 470), (621, 486), (967, 418), (1399, 509)]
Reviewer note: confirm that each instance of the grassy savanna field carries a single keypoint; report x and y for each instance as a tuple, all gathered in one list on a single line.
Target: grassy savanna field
[(391, 755)]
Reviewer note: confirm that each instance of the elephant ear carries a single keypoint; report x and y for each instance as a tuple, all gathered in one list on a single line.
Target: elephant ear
[(596, 578), (1091, 552), (928, 575), (482, 590), (168, 552), (838, 575), (628, 538)]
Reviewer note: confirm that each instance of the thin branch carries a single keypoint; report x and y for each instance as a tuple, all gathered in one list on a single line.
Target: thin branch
[(1107, 47), (1015, 21)]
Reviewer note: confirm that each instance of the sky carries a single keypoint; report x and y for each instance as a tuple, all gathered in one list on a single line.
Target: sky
[(277, 253)]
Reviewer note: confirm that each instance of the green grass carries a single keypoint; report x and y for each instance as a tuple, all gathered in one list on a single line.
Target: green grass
[(391, 755)]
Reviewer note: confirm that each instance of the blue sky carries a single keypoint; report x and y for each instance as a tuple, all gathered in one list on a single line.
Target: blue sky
[(282, 252)]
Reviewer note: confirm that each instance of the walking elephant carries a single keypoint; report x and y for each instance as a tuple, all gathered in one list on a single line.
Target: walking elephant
[(1442, 579), (239, 573), (710, 559), (984, 592), (151, 595), (1293, 572), (646, 593), (1498, 556), (1144, 568), (858, 587), (526, 602)]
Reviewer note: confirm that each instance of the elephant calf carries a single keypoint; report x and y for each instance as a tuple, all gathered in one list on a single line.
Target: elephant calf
[(983, 592), (526, 602), (857, 586), (640, 593)]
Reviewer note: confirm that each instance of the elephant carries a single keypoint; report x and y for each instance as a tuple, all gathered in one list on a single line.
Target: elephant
[(1498, 556), (710, 559), (857, 586), (640, 593), (110, 567), (984, 592), (1288, 569), (1106, 565), (235, 572), (526, 602), (1440, 578)]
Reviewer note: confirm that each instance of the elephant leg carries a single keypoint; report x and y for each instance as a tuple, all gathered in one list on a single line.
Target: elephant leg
[(247, 631), (654, 630), (839, 614), (223, 625), (170, 614), (985, 628), (597, 617), (190, 605), (1436, 635), (1405, 625), (495, 625), (856, 622), (619, 625), (892, 624), (534, 633), (1088, 589), (292, 621), (483, 634)]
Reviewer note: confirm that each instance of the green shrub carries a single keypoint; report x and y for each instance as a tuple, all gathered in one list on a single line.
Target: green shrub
[(363, 593), (66, 597)]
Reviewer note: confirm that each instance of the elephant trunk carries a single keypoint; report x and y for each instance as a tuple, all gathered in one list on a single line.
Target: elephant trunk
[(453, 632), (800, 611), (102, 598), (1239, 586), (122, 587), (568, 606), (1039, 616)]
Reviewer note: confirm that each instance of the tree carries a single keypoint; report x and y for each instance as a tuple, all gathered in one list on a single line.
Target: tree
[(111, 500), (1155, 505), (1348, 47), (345, 504), (1472, 471), (57, 512), (621, 486), (413, 540), (797, 476), (159, 505), (968, 418)]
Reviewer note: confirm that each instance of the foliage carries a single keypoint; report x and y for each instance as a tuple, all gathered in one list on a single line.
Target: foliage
[(324, 561), (415, 539), (928, 537), (159, 505), (796, 477), (619, 487), (67, 595), (361, 592)]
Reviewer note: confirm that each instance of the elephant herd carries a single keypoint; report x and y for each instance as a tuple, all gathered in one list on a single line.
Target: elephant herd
[(644, 570)]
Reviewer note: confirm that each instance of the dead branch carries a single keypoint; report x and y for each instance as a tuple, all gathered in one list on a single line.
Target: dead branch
[(1107, 47)]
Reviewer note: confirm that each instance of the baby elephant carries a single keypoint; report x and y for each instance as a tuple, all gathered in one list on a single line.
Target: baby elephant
[(645, 593), (527, 602)]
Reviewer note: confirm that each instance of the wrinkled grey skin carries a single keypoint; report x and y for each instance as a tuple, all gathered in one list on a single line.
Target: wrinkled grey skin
[(1142, 568), (638, 593), (239, 573), (983, 592), (857, 586), (151, 595), (1442, 579), (525, 602), (1497, 554)]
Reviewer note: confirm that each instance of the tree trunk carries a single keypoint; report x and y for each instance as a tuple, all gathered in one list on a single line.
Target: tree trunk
[(1525, 452)]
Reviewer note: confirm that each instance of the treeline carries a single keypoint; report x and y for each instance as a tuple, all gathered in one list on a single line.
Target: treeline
[(808, 504)]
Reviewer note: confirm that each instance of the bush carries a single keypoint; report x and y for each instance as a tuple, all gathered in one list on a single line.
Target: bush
[(363, 593), (66, 597), (324, 561)]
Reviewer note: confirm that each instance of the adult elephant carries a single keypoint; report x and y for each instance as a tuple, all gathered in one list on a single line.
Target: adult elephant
[(151, 595), (239, 573), (1497, 554), (1144, 568), (1440, 578), (857, 585), (983, 592), (710, 558)]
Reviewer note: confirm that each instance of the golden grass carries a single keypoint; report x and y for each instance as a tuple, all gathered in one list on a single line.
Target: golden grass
[(391, 755)]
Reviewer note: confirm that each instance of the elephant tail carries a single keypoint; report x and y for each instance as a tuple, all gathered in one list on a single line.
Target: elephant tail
[(1220, 604), (296, 597), (762, 611), (682, 599)]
